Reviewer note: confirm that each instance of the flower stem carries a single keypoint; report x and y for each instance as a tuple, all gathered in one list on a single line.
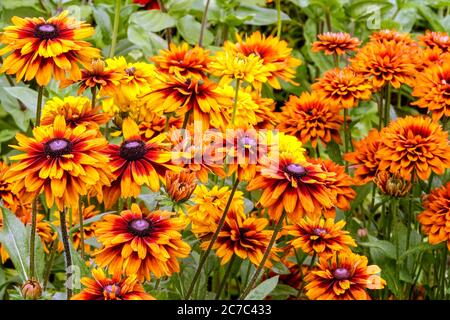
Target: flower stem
[(203, 26), (33, 236), (443, 272), (81, 218), (236, 95), (278, 6), (212, 241), (39, 106), (346, 135), (94, 94), (186, 118), (380, 110), (49, 264), (225, 277), (265, 257), (35, 201), (112, 50), (67, 253), (387, 107), (166, 125)]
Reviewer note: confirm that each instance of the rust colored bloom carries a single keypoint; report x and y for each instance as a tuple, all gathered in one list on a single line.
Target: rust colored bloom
[(141, 244), (209, 206), (335, 43), (266, 118), (433, 90), (343, 87), (101, 287), (436, 39), (155, 124), (136, 163), (244, 237), (310, 118), (183, 61), (299, 188), (386, 62), (435, 219), (180, 186), (344, 276), (10, 200), (365, 158), (414, 146), (179, 94), (319, 236), (42, 49), (96, 76), (63, 163), (274, 52), (75, 110), (341, 184), (392, 35), (392, 185)]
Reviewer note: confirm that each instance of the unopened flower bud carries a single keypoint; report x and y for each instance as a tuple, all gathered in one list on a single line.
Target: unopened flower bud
[(180, 186), (31, 290), (362, 233), (392, 185)]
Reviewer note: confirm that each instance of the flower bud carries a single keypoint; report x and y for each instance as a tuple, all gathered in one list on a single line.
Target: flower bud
[(31, 290), (392, 185), (180, 186)]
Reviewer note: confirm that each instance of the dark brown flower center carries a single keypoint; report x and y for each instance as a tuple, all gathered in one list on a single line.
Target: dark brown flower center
[(140, 227), (296, 170), (320, 232), (133, 150), (46, 31), (57, 147), (109, 289), (341, 274), (130, 71)]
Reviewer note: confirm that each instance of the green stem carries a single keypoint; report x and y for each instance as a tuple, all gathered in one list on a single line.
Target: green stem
[(166, 126), (261, 265), (225, 277), (39, 106), (67, 253), (49, 264), (112, 50), (186, 118), (94, 94), (33, 237), (346, 130), (443, 272), (81, 218), (387, 107), (213, 240), (278, 6), (236, 95), (203, 26), (328, 20), (317, 151), (380, 110)]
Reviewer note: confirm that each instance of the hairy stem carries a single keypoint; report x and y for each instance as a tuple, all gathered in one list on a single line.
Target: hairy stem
[(67, 253), (236, 95), (117, 6), (225, 277), (212, 241), (203, 26)]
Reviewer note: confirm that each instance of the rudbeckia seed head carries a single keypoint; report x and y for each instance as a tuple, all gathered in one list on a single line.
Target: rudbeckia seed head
[(133, 150), (341, 273), (57, 147), (46, 31), (140, 227), (296, 170)]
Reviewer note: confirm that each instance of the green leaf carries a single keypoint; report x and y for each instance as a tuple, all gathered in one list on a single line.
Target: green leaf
[(15, 237), (263, 289), (431, 17), (6, 135), (385, 246), (13, 4), (26, 95), (361, 194), (152, 20), (363, 8), (334, 152), (279, 268), (189, 28), (259, 16), (284, 290), (422, 247)]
